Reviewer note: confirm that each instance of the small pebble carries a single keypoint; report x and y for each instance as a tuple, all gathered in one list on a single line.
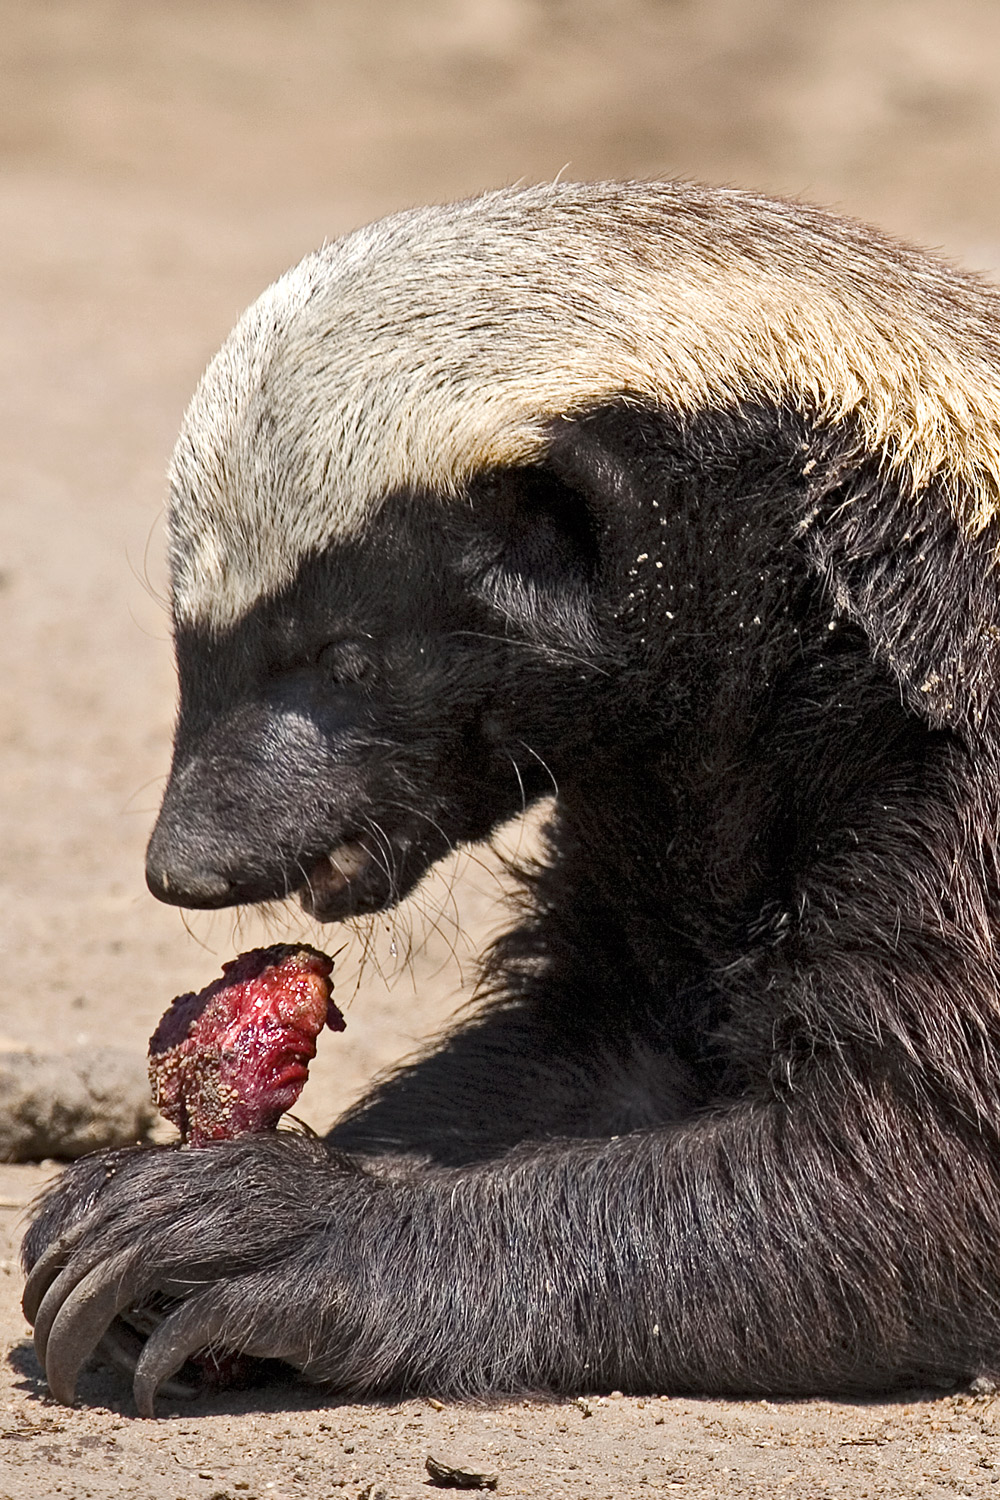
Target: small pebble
[(447, 1474)]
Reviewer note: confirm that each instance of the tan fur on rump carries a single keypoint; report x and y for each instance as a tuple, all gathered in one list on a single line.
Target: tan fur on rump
[(442, 341)]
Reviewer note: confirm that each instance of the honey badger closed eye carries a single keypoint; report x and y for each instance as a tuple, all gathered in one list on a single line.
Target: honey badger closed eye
[(685, 503)]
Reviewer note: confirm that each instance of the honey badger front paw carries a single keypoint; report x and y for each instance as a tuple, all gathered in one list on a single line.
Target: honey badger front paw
[(233, 1248)]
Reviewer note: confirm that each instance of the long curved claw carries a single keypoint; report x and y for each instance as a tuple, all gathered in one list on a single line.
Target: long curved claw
[(74, 1316), (61, 1287), (153, 1257), (48, 1267), (194, 1326)]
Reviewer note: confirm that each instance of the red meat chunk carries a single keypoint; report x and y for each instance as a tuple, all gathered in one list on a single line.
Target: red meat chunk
[(231, 1060)]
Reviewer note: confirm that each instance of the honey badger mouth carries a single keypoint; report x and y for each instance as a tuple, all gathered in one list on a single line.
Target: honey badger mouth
[(334, 877), (362, 873), (368, 872)]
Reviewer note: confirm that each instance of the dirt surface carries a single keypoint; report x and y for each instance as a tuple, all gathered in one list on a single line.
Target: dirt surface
[(159, 164)]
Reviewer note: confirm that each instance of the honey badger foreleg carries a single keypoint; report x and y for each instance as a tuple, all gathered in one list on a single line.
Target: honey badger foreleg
[(770, 1248)]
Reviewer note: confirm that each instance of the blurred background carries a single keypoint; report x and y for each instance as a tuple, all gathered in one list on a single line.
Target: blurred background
[(160, 163)]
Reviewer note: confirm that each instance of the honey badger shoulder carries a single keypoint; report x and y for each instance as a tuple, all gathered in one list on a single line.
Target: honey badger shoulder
[(681, 506)]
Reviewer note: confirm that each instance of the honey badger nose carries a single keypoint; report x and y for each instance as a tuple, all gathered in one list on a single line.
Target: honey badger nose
[(184, 883), (231, 827)]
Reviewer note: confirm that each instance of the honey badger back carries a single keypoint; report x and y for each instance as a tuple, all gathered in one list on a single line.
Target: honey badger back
[(684, 503)]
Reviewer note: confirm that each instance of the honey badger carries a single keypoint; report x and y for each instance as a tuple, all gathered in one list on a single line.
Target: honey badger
[(683, 503)]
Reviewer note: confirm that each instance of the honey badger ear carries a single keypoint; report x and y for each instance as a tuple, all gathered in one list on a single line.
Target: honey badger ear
[(906, 564), (538, 555), (924, 586)]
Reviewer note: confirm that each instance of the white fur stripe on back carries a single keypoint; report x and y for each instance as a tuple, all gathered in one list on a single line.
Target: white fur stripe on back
[(443, 341)]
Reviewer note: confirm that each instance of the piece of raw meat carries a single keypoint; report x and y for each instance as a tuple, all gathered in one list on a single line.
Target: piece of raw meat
[(232, 1059)]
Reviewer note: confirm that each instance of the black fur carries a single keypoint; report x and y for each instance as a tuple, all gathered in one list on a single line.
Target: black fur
[(727, 1118)]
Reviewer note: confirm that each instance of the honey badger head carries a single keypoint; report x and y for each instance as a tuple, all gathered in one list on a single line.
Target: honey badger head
[(436, 500)]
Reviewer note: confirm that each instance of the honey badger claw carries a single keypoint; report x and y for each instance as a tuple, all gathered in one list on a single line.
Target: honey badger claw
[(46, 1269), (74, 1316), (158, 1316), (186, 1332)]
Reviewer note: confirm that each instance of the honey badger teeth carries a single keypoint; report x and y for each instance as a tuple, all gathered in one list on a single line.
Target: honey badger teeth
[(330, 876)]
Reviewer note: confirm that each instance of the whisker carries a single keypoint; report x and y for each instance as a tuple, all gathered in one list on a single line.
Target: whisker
[(388, 863), (127, 807), (520, 782), (535, 649), (544, 765), (192, 934)]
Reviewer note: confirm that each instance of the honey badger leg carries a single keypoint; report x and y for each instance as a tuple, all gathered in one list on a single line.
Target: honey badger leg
[(751, 1251)]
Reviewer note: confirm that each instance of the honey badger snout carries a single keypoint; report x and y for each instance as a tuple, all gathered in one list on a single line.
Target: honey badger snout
[(324, 792), (251, 805)]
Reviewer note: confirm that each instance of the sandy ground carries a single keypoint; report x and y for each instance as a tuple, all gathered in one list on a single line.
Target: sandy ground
[(159, 164)]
